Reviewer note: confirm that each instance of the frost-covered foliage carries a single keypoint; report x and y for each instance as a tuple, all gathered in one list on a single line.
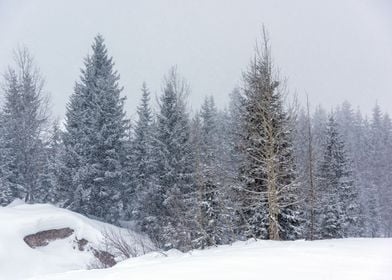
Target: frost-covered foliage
[(365, 144), (92, 175), (23, 119), (173, 202), (141, 191), (269, 193), (258, 168), (339, 205), (49, 179), (214, 222)]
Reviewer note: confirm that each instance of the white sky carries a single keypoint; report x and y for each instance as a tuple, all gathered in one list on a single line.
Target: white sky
[(335, 50)]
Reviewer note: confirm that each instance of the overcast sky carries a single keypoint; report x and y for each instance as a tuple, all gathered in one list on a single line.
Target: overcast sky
[(334, 50)]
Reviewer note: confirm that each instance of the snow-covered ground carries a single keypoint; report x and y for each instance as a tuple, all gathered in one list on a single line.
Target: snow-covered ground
[(19, 261), (350, 259), (346, 259)]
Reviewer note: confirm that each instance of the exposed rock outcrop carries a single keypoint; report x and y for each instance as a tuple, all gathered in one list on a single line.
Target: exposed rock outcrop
[(105, 258), (43, 238)]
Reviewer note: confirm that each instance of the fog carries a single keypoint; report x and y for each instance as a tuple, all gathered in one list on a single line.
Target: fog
[(333, 50)]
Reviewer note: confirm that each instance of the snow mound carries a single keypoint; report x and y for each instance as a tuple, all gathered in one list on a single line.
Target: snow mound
[(358, 259), (19, 261)]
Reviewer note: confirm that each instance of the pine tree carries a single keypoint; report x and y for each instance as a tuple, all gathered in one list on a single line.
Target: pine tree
[(386, 197), (339, 194), (23, 120), (350, 129), (305, 161), (233, 125), (210, 199), (201, 237), (376, 176), (175, 166), (94, 139), (375, 172), (270, 194), (143, 167), (232, 157), (48, 178)]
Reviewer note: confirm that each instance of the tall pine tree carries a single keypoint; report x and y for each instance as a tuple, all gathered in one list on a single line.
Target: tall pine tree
[(143, 168), (175, 195), (23, 122), (270, 193), (339, 195), (95, 131), (209, 184)]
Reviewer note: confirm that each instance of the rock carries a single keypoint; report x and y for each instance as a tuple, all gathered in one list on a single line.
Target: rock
[(43, 238), (81, 243), (106, 259)]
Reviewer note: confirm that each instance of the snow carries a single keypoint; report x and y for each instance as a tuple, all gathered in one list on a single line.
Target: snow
[(357, 259), (19, 261)]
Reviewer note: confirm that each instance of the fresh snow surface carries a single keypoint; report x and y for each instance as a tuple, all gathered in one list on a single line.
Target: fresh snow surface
[(19, 261), (345, 259)]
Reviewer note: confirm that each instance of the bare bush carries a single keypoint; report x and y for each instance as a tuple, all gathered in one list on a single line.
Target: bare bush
[(125, 244)]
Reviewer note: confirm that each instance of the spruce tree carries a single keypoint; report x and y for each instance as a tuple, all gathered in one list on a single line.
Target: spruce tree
[(94, 139), (48, 178), (339, 194), (374, 172), (175, 195), (23, 121), (386, 197), (210, 198), (270, 190), (305, 161), (143, 167), (231, 151)]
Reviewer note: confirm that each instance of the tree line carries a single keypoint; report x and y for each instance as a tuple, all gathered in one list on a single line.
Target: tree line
[(261, 168)]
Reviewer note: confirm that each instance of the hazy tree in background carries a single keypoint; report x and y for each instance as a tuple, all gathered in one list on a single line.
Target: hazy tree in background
[(386, 193), (201, 237), (23, 119), (378, 186), (350, 127), (232, 136), (210, 198), (233, 123), (53, 149), (306, 165), (339, 200)]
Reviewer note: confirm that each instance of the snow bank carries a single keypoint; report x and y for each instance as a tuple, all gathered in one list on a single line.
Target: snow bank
[(18, 260), (358, 259)]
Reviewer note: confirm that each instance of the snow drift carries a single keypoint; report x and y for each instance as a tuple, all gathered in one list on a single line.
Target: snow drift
[(19, 260), (358, 259)]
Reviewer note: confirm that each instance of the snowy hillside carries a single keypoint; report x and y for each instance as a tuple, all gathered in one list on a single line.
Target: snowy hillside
[(356, 259), (328, 259), (19, 261)]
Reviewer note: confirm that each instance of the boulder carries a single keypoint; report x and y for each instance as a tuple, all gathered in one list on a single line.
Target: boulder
[(43, 238)]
